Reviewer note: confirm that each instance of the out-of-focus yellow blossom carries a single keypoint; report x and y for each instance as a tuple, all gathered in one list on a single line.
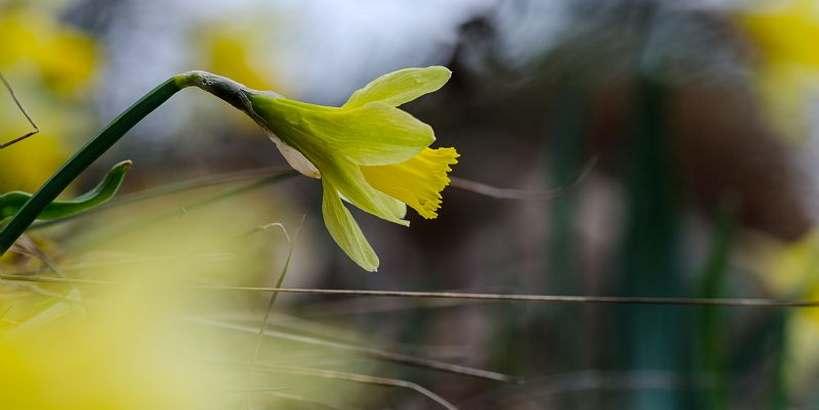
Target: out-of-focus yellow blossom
[(793, 272), (785, 35), (794, 266), (45, 61), (111, 362), (64, 58), (229, 50), (26, 165), (113, 350), (133, 345)]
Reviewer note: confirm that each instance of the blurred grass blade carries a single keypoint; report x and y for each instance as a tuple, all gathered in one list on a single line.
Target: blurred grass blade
[(779, 393), (711, 360), (175, 188), (375, 353), (113, 230)]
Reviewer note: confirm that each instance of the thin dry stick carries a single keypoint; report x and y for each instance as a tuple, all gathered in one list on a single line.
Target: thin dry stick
[(192, 184), (239, 176), (34, 251), (347, 307), (519, 194), (490, 297), (365, 379), (362, 350), (353, 377), (499, 297), (502, 193), (125, 261), (279, 283), (22, 110)]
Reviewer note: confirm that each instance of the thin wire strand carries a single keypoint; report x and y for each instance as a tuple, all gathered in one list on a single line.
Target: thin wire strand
[(22, 110), (499, 297), (492, 191), (279, 283), (490, 297)]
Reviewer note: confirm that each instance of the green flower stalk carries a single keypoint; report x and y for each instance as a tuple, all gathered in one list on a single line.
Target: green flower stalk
[(367, 152)]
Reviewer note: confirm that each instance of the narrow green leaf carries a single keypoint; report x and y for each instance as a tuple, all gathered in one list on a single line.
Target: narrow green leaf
[(11, 202)]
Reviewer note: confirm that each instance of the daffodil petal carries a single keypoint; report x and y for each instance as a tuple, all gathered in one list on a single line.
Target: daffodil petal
[(348, 179), (375, 134), (345, 231), (399, 87)]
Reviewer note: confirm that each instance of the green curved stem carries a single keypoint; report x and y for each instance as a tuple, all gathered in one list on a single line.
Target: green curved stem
[(226, 89), (11, 202)]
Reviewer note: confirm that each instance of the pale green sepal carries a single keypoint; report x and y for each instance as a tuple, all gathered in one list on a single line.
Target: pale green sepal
[(397, 208), (375, 134), (399, 87), (295, 158), (345, 231)]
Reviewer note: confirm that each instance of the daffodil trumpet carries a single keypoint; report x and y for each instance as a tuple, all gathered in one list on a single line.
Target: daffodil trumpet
[(367, 152)]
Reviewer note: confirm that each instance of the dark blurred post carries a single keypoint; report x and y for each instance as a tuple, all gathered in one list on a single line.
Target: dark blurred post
[(651, 338), (567, 133)]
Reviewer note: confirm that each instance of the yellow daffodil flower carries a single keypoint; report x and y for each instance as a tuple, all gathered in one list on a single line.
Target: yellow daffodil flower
[(367, 152), (792, 272)]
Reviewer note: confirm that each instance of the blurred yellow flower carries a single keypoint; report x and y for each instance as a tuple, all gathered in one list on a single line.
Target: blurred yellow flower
[(785, 36), (793, 272), (114, 363), (26, 165), (64, 58), (47, 62), (150, 339), (229, 50), (130, 346)]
